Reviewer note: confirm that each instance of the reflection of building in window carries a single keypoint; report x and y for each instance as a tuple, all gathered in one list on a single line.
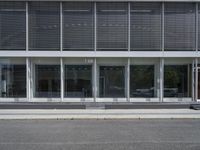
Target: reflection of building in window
[(78, 81), (112, 81), (176, 81)]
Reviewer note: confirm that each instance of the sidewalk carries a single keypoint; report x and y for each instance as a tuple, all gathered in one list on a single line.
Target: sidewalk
[(99, 114)]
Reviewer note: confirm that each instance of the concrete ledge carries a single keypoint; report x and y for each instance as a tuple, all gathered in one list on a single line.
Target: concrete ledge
[(99, 114)]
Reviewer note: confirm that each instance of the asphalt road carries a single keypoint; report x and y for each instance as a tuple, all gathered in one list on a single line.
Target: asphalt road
[(100, 134)]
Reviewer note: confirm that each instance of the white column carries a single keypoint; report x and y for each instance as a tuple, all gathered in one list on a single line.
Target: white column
[(95, 49), (95, 79), (161, 79), (61, 79), (28, 82), (61, 27), (128, 81), (28, 88), (196, 79)]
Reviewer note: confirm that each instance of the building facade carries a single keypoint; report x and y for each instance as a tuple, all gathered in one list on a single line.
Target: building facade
[(102, 51)]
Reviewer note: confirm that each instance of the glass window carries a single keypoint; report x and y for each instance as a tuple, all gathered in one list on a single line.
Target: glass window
[(179, 26), (112, 26), (78, 81), (47, 81), (145, 26), (176, 81), (78, 26), (44, 26), (12, 25), (142, 81), (112, 81), (13, 80)]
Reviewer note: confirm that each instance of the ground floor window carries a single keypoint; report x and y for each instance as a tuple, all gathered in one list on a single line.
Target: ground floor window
[(142, 81), (176, 81), (78, 81), (47, 81), (12, 80), (112, 81)]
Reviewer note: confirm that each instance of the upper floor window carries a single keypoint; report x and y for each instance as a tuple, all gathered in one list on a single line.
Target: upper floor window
[(145, 26), (179, 26), (12, 25), (78, 26), (112, 26), (44, 26)]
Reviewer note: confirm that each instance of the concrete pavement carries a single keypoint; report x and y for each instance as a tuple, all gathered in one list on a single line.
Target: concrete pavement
[(99, 113), (150, 134)]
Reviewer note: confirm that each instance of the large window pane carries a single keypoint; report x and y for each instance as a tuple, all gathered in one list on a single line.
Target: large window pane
[(47, 81), (145, 26), (179, 26), (44, 26), (112, 26), (142, 81), (12, 25), (78, 81), (176, 81), (13, 80), (111, 81), (78, 19)]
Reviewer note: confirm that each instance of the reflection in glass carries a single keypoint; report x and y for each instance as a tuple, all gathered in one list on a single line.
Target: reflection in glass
[(47, 81), (13, 81), (44, 26), (12, 25), (78, 26), (78, 81), (142, 81), (176, 81), (112, 26), (112, 81)]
